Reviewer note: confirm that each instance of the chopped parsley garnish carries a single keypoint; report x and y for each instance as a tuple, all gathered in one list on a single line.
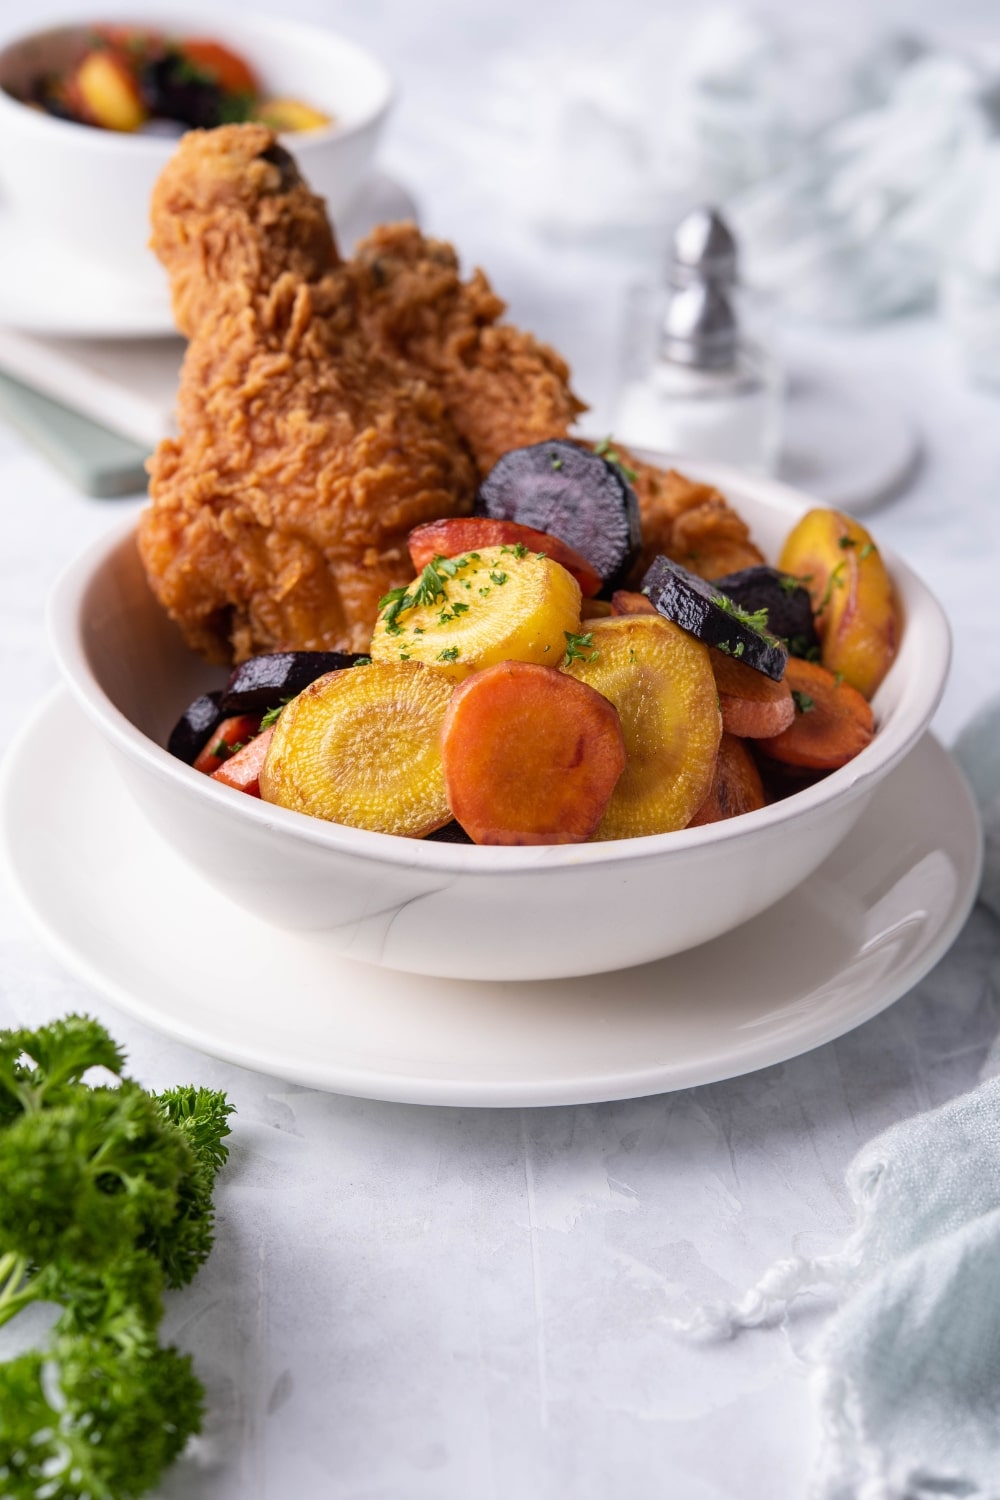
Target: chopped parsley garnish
[(756, 621), (787, 584), (577, 646), (498, 578), (555, 460), (867, 548), (803, 703), (450, 653), (835, 581), (429, 588), (459, 608), (612, 456), (221, 748), (366, 661), (518, 549), (798, 645), (274, 714)]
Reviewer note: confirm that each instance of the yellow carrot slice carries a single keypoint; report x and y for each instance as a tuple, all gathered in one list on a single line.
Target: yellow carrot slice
[(661, 682), (465, 613), (362, 747)]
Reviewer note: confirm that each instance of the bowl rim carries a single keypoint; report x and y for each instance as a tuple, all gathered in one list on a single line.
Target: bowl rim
[(926, 630), (160, 149)]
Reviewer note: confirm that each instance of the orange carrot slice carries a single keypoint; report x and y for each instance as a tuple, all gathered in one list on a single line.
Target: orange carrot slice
[(459, 534), (595, 609), (736, 785), (531, 756), (231, 735), (832, 723), (230, 71), (243, 769), (625, 602), (753, 706)]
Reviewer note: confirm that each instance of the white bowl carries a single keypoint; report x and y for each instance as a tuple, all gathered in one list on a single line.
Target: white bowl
[(91, 188), (453, 910)]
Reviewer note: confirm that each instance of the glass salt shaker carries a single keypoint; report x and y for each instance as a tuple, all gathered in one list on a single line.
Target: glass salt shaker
[(698, 386)]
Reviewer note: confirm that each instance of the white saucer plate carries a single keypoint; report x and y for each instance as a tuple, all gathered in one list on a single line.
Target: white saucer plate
[(47, 288), (131, 919)]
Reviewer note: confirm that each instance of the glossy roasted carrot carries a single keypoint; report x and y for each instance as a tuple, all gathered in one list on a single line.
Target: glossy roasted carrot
[(595, 609), (231, 735), (736, 785), (832, 723), (463, 534), (531, 756), (242, 770), (626, 602), (753, 706)]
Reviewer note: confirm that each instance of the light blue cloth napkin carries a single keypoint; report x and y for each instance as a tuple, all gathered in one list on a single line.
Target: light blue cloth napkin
[(908, 1367)]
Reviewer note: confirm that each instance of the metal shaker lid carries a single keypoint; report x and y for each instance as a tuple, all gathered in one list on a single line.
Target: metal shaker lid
[(703, 246), (699, 327)]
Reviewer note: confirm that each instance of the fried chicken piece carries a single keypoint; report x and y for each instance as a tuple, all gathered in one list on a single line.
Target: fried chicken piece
[(305, 454), (328, 407), (503, 388), (691, 523)]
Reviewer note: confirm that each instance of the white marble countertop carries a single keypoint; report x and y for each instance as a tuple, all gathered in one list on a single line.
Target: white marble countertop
[(415, 1302)]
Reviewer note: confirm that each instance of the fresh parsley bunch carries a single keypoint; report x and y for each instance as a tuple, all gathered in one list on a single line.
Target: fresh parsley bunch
[(105, 1200)]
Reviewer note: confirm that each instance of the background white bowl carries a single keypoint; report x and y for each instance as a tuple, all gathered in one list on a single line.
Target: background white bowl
[(459, 911), (91, 188)]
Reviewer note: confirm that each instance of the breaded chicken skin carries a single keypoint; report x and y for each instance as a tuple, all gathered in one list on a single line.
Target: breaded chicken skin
[(328, 407)]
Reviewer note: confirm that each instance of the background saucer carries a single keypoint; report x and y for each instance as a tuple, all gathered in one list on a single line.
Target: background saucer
[(47, 289), (136, 922)]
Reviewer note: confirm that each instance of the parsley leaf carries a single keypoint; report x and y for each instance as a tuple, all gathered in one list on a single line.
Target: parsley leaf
[(105, 1199), (756, 620), (803, 703), (577, 646), (611, 455)]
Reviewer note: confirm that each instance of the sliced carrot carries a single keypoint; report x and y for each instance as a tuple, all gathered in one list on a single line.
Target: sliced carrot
[(361, 746), (243, 769), (531, 756), (231, 735), (780, 779), (832, 723), (753, 706), (459, 534), (227, 69), (595, 609), (625, 602), (736, 785)]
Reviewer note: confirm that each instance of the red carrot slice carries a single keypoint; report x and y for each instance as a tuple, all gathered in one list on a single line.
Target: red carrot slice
[(459, 534), (231, 735), (531, 755), (243, 769)]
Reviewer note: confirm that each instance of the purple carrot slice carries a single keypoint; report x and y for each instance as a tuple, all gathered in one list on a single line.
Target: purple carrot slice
[(265, 682), (572, 493), (701, 608), (200, 719)]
